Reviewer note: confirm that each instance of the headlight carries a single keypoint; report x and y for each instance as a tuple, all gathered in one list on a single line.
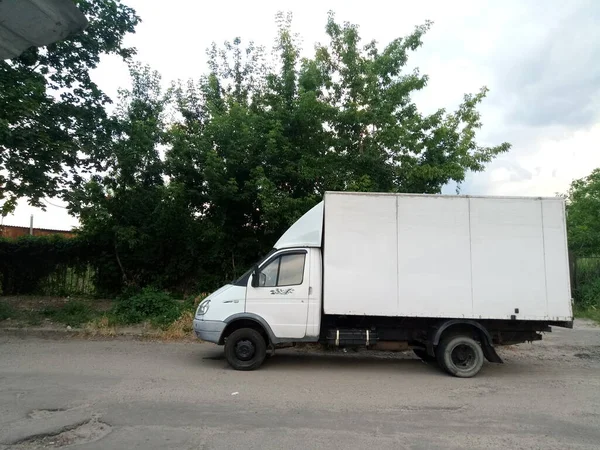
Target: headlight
[(202, 308)]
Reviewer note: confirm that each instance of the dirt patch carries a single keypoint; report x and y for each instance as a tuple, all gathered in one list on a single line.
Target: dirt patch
[(590, 353), (82, 433), (57, 332), (40, 302), (75, 317)]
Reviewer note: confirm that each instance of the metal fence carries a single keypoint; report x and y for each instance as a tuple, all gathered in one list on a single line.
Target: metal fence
[(585, 271), (69, 281)]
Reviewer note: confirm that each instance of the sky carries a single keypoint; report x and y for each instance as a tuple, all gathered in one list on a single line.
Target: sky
[(539, 60)]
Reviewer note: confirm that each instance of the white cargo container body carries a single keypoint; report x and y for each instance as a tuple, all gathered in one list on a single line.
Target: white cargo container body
[(449, 277), (446, 257)]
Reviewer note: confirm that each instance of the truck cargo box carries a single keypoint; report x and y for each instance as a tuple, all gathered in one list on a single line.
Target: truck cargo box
[(445, 256)]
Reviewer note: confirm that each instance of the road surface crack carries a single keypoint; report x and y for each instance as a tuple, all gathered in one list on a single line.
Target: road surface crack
[(79, 433)]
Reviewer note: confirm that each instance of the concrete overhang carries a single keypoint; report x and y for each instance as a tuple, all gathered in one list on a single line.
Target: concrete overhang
[(36, 23)]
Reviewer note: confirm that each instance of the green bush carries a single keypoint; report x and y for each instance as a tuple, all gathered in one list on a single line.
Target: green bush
[(148, 304), (6, 311), (191, 302), (589, 294)]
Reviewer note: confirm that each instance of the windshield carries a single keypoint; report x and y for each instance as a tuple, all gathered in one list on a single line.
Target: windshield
[(243, 280)]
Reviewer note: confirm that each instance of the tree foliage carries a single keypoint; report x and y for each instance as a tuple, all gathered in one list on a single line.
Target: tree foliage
[(583, 215), (53, 121), (146, 230), (187, 187), (261, 141)]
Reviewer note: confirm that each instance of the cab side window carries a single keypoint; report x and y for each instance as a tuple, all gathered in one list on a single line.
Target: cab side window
[(268, 274), (286, 270)]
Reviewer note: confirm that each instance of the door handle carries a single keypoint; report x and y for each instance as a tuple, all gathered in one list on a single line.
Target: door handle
[(310, 290)]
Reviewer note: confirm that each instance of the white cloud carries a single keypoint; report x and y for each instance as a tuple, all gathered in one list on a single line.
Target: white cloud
[(552, 161)]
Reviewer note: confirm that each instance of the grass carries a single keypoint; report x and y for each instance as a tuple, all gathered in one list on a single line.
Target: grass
[(6, 311), (587, 289), (106, 325), (101, 326), (27, 317), (182, 327), (179, 329), (160, 315), (73, 313), (588, 313), (32, 318)]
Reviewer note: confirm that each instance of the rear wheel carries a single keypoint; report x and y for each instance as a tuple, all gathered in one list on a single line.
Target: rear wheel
[(460, 356), (245, 349)]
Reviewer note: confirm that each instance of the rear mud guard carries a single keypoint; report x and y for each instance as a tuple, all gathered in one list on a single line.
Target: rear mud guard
[(490, 352)]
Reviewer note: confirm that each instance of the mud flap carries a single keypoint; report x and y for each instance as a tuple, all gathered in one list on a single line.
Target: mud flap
[(490, 353)]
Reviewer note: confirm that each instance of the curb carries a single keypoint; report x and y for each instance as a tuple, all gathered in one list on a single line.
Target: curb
[(60, 334)]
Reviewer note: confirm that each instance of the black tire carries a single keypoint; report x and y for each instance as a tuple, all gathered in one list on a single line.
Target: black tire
[(460, 356), (421, 353), (245, 349)]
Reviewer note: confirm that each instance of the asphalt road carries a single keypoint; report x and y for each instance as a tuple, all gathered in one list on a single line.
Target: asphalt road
[(148, 395)]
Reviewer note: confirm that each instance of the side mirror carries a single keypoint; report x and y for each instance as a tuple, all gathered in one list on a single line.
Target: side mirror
[(255, 276)]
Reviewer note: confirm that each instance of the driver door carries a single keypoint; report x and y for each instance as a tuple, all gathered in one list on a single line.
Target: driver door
[(281, 297)]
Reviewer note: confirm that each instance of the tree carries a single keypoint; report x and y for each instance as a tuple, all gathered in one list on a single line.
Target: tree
[(125, 208), (192, 198), (53, 122), (261, 141), (381, 141), (141, 223), (583, 215)]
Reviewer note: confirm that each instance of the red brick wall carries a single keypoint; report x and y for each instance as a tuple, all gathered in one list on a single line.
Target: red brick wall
[(11, 232)]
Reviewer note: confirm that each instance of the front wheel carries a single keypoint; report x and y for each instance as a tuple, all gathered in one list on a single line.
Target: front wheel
[(460, 356), (245, 349)]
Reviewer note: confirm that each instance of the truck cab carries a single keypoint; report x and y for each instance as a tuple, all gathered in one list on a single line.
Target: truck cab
[(280, 297)]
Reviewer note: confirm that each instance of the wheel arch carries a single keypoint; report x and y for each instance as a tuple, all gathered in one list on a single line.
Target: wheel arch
[(472, 325), (456, 324), (247, 320)]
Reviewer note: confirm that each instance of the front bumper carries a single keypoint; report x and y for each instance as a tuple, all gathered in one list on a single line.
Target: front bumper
[(209, 330)]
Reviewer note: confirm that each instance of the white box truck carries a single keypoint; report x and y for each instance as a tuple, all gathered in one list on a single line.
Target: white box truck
[(449, 277)]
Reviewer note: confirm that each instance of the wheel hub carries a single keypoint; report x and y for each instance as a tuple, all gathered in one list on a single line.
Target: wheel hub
[(244, 350), (463, 356)]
